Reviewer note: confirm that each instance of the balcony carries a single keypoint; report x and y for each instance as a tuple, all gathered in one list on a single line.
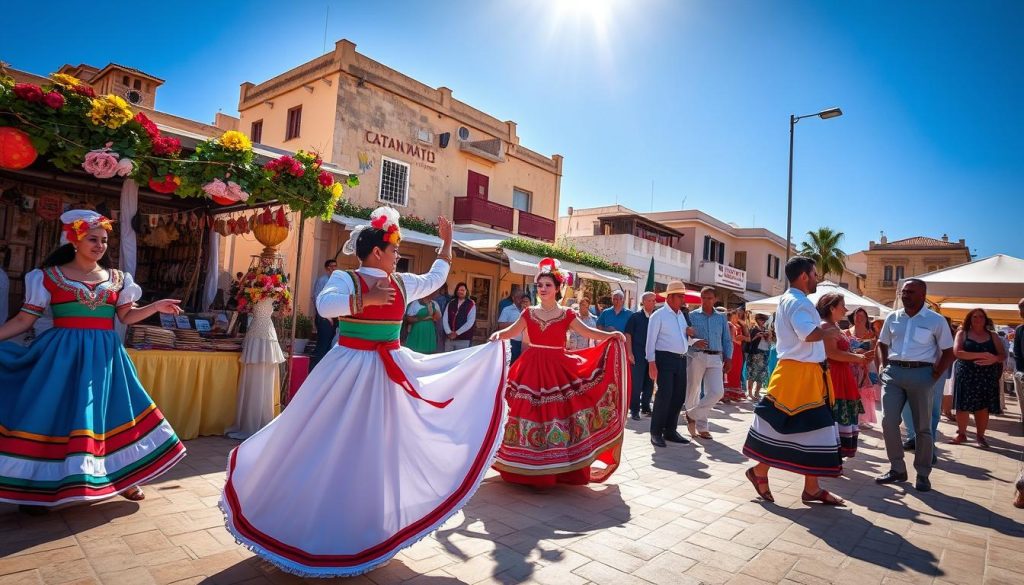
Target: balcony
[(636, 253), (483, 212), (536, 226)]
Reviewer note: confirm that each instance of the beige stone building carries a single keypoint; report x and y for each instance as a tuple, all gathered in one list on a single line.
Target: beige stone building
[(413, 147), (885, 263)]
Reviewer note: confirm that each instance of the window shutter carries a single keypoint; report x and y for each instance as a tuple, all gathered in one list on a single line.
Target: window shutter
[(721, 252), (707, 247)]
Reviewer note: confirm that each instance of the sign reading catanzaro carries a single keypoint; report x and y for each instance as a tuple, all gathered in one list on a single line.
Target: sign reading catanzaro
[(406, 148)]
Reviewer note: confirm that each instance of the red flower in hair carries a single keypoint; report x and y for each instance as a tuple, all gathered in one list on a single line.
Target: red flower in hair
[(379, 222)]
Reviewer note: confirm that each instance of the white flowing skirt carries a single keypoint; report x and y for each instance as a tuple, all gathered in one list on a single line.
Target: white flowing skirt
[(355, 469)]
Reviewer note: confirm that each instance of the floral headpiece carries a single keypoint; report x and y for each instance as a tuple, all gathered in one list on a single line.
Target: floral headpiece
[(382, 218), (553, 267), (78, 222)]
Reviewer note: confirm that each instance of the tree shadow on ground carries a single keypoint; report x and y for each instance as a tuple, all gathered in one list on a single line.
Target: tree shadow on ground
[(531, 534), (856, 537)]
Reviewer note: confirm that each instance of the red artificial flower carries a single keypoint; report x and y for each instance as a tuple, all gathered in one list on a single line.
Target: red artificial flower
[(54, 100), (28, 92), (147, 125), (85, 90), (379, 222), (326, 179), (166, 146)]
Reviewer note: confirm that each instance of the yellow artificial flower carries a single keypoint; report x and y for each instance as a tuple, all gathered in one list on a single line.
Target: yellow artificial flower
[(336, 190), (110, 111), (235, 140), (66, 80)]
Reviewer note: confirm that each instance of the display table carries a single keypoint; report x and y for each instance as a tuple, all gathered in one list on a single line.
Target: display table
[(196, 390)]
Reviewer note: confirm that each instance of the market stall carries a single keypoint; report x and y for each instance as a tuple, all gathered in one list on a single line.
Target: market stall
[(172, 196)]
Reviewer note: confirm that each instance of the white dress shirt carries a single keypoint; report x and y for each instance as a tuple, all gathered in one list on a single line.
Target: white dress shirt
[(666, 331), (920, 338), (335, 299), (795, 319), (321, 282), (470, 319)]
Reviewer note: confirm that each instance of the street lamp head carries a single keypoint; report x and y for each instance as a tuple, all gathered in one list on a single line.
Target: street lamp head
[(830, 113)]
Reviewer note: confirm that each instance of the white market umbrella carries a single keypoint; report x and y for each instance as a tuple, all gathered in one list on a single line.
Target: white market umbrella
[(853, 301)]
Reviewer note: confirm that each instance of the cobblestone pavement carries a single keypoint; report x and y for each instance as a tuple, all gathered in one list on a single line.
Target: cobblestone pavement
[(680, 515)]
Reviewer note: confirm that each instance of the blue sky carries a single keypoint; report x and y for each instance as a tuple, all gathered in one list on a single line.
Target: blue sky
[(692, 96)]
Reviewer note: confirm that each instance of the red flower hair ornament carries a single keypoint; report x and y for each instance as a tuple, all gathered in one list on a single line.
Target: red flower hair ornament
[(382, 218), (553, 267), (77, 223)]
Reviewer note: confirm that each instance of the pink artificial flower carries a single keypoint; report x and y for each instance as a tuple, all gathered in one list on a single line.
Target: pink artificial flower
[(235, 191), (124, 167), (54, 100), (28, 92), (100, 163), (216, 188), (326, 179)]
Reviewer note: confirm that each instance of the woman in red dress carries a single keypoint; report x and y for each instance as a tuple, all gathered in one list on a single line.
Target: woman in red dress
[(567, 409), (734, 379), (847, 407)]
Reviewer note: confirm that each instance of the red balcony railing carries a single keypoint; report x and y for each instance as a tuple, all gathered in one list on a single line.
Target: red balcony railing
[(536, 226), (482, 211)]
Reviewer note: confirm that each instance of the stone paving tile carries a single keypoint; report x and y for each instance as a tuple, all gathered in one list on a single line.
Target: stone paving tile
[(679, 515)]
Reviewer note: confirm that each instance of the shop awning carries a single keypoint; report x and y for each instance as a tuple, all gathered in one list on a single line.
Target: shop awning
[(750, 296), (1002, 313), (523, 263), (408, 235)]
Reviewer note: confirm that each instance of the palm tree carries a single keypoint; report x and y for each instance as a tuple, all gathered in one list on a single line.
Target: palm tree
[(823, 248)]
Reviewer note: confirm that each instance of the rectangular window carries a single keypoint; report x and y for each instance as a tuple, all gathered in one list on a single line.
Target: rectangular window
[(256, 131), (739, 260), (773, 266), (394, 182), (294, 123), (714, 251), (521, 199), (899, 273), (887, 274)]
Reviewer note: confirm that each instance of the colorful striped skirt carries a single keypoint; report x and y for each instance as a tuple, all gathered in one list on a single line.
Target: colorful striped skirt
[(794, 427), (75, 422)]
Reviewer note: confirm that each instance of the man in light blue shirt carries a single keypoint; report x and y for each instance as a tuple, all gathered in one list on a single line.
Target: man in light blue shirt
[(615, 317), (706, 365)]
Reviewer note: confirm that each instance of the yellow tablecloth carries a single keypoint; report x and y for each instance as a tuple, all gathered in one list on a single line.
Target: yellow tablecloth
[(196, 390)]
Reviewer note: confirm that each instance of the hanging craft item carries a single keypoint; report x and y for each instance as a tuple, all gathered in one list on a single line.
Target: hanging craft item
[(16, 150)]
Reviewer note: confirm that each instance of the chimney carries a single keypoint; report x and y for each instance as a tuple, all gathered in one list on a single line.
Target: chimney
[(883, 240), (945, 237), (570, 211), (962, 243)]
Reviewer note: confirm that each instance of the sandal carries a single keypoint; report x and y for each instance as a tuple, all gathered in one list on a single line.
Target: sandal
[(960, 438), (1018, 500), (822, 496), (949, 416), (982, 443), (134, 494), (705, 435), (758, 482)]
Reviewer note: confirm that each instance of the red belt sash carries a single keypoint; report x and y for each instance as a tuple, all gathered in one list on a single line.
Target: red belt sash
[(384, 349)]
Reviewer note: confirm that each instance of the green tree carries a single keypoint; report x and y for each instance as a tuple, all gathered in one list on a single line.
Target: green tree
[(823, 248)]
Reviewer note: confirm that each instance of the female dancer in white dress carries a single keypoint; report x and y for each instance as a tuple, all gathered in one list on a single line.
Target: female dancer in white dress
[(380, 445)]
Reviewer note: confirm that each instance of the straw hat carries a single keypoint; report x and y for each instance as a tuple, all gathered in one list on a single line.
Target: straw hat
[(675, 288)]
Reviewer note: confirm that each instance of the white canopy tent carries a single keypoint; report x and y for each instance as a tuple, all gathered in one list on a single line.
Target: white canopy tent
[(853, 301), (995, 284), (997, 279)]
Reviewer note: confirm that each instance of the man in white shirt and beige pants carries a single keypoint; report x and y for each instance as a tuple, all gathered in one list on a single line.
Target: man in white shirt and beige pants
[(915, 347)]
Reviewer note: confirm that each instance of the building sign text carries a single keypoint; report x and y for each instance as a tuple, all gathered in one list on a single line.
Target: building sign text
[(406, 148)]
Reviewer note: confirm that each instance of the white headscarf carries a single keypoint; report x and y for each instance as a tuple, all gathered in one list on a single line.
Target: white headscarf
[(382, 218), (90, 218)]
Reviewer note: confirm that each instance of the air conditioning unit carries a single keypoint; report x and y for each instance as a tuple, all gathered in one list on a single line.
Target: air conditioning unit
[(425, 136)]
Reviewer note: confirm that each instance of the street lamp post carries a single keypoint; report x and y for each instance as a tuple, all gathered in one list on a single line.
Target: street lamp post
[(824, 115)]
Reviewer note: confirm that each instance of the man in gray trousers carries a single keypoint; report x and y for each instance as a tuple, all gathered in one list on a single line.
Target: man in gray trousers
[(915, 347)]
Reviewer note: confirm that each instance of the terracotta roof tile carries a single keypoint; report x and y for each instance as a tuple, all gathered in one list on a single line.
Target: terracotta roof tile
[(920, 242)]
